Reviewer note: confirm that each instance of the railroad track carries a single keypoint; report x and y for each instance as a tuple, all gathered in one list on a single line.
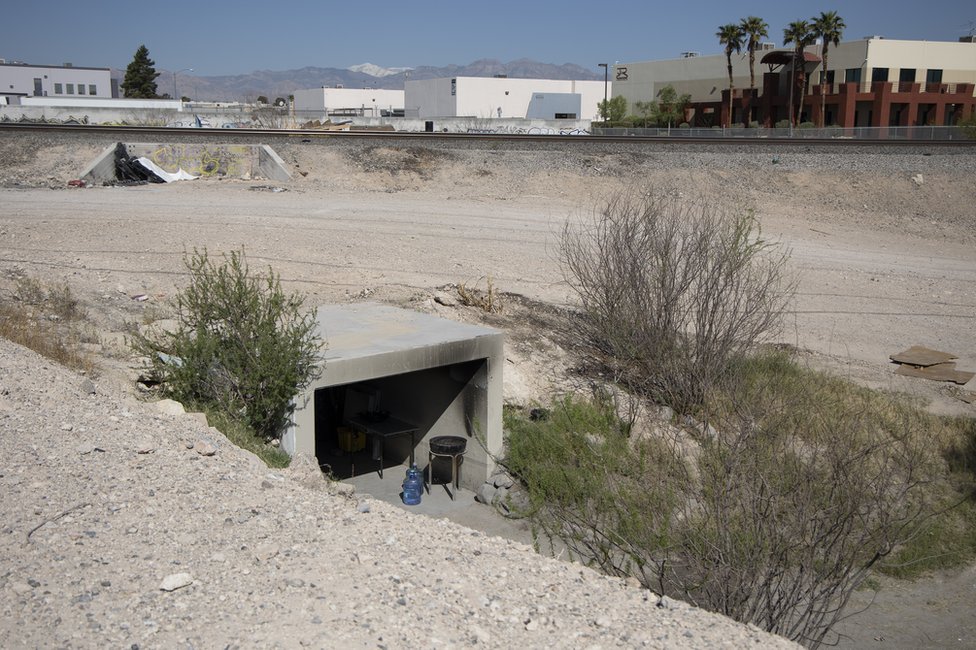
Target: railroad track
[(165, 133)]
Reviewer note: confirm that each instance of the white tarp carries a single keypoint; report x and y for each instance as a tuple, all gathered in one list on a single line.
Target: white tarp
[(163, 174)]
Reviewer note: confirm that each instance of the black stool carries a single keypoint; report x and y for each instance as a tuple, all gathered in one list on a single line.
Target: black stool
[(446, 447)]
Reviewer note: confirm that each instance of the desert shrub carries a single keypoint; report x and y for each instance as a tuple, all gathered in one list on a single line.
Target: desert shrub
[(671, 290), (241, 345), (807, 125), (772, 509), (783, 124)]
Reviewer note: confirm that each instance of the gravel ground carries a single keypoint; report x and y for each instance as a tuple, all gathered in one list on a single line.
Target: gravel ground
[(882, 243)]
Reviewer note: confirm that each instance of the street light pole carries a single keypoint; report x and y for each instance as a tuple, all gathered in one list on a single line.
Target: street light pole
[(606, 107), (175, 95)]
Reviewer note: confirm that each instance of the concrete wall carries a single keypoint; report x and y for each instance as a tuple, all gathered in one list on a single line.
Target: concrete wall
[(431, 98), (202, 160), (490, 98), (19, 79)]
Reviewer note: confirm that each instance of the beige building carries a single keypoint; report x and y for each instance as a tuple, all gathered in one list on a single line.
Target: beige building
[(938, 67)]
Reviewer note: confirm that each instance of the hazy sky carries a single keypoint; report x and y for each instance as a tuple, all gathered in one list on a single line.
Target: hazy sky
[(241, 36)]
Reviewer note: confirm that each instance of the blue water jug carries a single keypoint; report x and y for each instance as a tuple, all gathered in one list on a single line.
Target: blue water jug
[(413, 486)]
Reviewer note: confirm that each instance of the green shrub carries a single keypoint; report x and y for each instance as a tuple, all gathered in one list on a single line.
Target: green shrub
[(807, 125), (771, 507), (241, 346), (783, 124)]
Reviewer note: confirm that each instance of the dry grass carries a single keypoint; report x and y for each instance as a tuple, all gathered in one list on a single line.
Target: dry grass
[(487, 301), (48, 320)]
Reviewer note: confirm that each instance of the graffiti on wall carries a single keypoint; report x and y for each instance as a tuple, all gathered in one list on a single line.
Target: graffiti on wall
[(205, 160)]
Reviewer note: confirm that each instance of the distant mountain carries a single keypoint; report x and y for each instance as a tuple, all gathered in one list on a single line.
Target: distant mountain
[(377, 71), (272, 84)]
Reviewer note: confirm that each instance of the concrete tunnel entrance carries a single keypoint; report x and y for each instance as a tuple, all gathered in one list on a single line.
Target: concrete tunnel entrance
[(393, 379)]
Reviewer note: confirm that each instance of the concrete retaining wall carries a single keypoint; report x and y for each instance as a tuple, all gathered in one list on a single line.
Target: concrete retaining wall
[(203, 160), (247, 117)]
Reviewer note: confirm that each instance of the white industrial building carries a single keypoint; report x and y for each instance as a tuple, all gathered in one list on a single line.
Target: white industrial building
[(19, 80), (325, 103), (501, 97)]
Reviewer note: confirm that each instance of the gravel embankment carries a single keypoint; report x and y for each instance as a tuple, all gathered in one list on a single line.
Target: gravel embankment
[(104, 503)]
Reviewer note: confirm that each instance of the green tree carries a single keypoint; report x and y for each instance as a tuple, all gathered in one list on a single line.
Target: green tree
[(614, 109), (670, 107), (262, 99), (800, 34), (829, 27), (140, 76), (731, 36), (754, 29), (644, 112)]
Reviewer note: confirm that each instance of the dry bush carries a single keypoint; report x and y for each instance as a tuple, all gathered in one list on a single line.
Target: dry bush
[(671, 290)]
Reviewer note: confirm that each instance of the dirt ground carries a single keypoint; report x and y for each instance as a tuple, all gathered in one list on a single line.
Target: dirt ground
[(884, 258)]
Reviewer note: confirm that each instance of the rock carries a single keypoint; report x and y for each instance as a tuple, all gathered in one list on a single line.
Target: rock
[(363, 506), (265, 552), (918, 180), (444, 298), (205, 448), (176, 581), (146, 447), (87, 387), (199, 417), (21, 588), (486, 494), (502, 480), (170, 407)]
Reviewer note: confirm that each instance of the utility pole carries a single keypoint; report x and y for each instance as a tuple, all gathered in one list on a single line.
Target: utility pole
[(606, 106)]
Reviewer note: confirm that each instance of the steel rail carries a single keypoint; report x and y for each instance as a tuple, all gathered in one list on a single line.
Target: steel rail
[(583, 140)]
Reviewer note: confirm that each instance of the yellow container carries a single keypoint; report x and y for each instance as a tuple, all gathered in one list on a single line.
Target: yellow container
[(351, 439)]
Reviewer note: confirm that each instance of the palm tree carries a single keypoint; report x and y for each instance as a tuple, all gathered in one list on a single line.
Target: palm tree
[(731, 36), (753, 29), (798, 32), (829, 27)]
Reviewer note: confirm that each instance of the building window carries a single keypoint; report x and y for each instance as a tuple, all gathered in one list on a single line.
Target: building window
[(933, 77), (91, 89), (879, 74), (830, 77), (852, 75), (906, 76), (81, 89), (71, 89), (58, 89)]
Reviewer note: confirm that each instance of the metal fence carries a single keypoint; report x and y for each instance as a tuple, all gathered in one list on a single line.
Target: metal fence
[(831, 132)]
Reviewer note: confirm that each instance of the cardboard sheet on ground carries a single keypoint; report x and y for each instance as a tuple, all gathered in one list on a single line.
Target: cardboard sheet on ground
[(937, 372), (918, 355), (163, 174)]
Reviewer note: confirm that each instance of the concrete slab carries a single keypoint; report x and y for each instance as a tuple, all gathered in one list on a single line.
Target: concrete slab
[(463, 510)]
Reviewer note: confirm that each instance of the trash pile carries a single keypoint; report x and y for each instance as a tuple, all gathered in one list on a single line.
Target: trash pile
[(133, 171)]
